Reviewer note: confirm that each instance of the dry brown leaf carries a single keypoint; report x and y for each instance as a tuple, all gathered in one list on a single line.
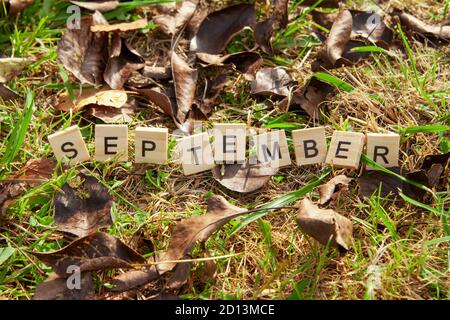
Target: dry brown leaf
[(219, 27), (35, 172), (157, 73), (10, 67), (133, 278), (15, 6), (171, 22), (7, 94), (330, 190), (263, 32), (125, 114), (123, 61), (97, 251), (56, 288), (339, 36), (370, 181), (280, 12), (86, 97), (325, 225), (83, 52), (185, 234), (208, 94), (158, 97), (422, 28), (99, 5), (122, 27), (271, 82), (185, 81), (244, 178), (310, 97), (246, 62), (180, 276), (189, 231), (84, 210), (370, 25)]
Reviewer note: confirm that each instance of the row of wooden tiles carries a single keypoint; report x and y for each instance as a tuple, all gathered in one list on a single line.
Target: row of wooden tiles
[(196, 152)]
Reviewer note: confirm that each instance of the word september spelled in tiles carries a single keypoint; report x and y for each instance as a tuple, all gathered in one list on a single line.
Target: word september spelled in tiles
[(198, 154)]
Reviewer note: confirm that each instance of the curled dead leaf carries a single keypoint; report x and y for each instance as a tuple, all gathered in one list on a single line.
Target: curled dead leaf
[(200, 228), (122, 27), (185, 81), (56, 288), (331, 189), (271, 82), (310, 97), (35, 172), (172, 21), (102, 5), (84, 210), (97, 251), (83, 52), (244, 177), (325, 225), (219, 27), (123, 61), (422, 28), (15, 6)]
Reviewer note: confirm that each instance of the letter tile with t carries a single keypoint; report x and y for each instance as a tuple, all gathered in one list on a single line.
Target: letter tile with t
[(111, 140), (195, 153), (272, 147), (151, 145), (229, 142), (70, 144), (310, 145), (345, 149)]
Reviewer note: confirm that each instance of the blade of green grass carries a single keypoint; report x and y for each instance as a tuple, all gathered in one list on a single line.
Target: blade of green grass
[(334, 81), (282, 201), (17, 136)]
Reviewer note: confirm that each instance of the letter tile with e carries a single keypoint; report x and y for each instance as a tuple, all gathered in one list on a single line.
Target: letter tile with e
[(229, 142), (111, 140), (345, 149)]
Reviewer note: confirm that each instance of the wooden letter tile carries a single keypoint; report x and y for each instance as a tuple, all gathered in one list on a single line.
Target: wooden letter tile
[(345, 149), (196, 153), (111, 140), (151, 145), (70, 144), (310, 145), (272, 147), (229, 142), (383, 148)]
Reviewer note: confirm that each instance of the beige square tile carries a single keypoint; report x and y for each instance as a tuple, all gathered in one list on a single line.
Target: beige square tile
[(383, 148), (195, 153), (229, 142), (345, 149), (70, 144), (272, 147), (310, 145), (151, 145), (111, 140)]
